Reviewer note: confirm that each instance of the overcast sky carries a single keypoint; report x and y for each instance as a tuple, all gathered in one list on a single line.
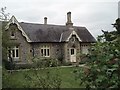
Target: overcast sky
[(93, 14)]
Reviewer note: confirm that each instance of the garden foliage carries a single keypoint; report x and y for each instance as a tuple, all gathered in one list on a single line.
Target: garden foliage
[(103, 66)]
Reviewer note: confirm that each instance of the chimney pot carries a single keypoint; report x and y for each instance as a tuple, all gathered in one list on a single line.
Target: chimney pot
[(45, 20)]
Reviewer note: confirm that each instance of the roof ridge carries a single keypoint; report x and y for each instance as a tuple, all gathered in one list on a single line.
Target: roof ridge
[(41, 24), (49, 24)]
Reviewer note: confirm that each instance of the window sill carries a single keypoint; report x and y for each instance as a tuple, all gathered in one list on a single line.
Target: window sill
[(16, 58), (46, 56)]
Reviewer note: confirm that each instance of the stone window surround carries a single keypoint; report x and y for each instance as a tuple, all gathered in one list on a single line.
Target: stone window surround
[(14, 52), (45, 51)]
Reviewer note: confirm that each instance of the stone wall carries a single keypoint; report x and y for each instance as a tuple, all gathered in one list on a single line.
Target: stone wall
[(56, 51), (25, 54)]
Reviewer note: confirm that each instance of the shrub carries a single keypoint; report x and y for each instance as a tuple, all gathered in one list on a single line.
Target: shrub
[(23, 66), (104, 62), (66, 63), (8, 65), (44, 62)]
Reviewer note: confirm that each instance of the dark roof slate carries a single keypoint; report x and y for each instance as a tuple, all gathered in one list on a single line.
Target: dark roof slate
[(52, 33)]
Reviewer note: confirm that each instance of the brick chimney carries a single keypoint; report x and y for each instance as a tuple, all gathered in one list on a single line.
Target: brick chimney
[(45, 20), (69, 22)]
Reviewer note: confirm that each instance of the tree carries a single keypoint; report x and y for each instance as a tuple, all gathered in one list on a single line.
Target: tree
[(103, 68), (3, 15), (117, 25)]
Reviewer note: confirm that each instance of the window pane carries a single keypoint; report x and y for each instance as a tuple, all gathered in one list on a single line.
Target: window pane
[(72, 51), (47, 52), (13, 53), (17, 53)]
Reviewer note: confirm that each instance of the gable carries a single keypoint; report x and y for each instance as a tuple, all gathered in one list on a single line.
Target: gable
[(74, 33), (13, 20)]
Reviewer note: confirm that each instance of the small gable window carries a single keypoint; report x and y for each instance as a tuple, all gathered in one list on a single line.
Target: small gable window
[(12, 35), (45, 51), (73, 38)]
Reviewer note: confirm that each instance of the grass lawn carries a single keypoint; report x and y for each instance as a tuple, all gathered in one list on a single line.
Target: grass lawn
[(17, 79)]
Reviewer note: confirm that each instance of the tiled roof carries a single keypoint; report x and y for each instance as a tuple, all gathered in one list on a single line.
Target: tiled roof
[(54, 33)]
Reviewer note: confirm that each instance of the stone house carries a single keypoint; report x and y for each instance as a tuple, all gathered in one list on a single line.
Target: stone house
[(62, 42)]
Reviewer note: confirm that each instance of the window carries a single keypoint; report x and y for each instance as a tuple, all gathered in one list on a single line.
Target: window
[(84, 49), (73, 39), (12, 34), (72, 52), (14, 52), (45, 51)]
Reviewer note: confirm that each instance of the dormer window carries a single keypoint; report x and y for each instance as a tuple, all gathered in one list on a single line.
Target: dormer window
[(12, 35)]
